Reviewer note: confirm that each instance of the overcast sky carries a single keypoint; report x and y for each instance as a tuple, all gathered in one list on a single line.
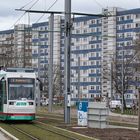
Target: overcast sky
[(8, 15)]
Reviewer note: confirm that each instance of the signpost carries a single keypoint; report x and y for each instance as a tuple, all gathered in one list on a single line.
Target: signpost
[(82, 113)]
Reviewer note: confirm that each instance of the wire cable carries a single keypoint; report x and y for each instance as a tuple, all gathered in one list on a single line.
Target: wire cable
[(33, 4), (18, 20), (46, 10), (26, 4), (24, 13), (99, 4)]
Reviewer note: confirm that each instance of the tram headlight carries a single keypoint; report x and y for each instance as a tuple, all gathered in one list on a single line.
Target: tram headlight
[(11, 103), (31, 103)]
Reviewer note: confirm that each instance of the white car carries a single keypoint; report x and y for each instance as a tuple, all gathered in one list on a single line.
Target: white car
[(114, 104)]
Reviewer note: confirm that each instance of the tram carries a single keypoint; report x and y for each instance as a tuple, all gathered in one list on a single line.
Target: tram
[(17, 94)]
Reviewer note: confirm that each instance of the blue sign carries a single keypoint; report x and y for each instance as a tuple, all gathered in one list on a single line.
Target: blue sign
[(82, 106), (82, 113)]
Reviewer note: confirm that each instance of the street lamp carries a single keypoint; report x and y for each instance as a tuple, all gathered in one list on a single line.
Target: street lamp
[(122, 107)]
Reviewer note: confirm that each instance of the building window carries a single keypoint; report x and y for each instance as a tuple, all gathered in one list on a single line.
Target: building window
[(84, 55), (128, 34), (128, 43), (92, 79), (137, 15), (128, 17), (84, 47), (85, 22), (77, 23), (137, 25), (93, 21), (35, 51), (92, 87), (84, 87), (121, 18), (97, 88), (84, 63), (93, 47), (93, 38), (97, 62), (93, 30), (77, 31), (85, 39), (92, 70), (84, 79), (92, 62), (92, 95), (84, 71), (85, 30), (77, 47), (97, 46), (128, 96), (77, 39), (128, 26), (92, 54)]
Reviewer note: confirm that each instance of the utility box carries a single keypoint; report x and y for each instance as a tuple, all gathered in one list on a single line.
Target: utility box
[(82, 113), (97, 115)]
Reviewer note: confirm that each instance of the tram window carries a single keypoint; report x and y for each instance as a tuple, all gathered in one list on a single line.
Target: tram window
[(21, 91), (1, 96), (0, 87), (4, 92)]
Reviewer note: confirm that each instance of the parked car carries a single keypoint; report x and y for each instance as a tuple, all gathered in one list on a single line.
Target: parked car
[(114, 104), (44, 101)]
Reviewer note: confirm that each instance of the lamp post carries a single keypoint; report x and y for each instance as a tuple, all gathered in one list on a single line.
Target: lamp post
[(79, 78), (122, 107), (139, 110)]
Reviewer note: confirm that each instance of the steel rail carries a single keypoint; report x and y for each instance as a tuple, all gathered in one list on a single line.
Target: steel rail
[(25, 133), (47, 129)]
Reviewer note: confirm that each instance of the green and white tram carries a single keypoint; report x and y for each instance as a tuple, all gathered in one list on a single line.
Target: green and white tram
[(17, 94)]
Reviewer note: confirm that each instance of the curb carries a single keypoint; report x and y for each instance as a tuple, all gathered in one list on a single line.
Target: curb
[(75, 133), (8, 134)]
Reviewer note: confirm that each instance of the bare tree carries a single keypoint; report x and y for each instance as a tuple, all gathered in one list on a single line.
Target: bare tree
[(56, 81), (125, 67)]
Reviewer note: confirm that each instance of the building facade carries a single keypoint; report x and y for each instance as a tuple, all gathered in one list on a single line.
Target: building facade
[(96, 42), (16, 47)]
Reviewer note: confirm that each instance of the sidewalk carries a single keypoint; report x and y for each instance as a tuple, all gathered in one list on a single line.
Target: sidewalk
[(126, 119)]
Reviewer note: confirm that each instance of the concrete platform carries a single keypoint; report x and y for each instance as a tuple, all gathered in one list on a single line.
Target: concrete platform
[(3, 136)]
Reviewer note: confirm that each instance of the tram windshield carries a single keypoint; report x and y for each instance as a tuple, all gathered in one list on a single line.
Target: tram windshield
[(20, 88)]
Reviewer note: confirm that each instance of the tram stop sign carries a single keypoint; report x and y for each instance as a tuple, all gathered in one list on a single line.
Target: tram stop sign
[(82, 113)]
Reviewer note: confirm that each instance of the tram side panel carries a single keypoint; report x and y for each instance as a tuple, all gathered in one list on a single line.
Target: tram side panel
[(3, 100)]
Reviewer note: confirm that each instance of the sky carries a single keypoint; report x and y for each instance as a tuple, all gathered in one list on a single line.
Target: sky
[(9, 16)]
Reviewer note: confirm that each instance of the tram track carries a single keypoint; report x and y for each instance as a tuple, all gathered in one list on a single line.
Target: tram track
[(56, 118), (23, 132), (39, 126), (58, 133)]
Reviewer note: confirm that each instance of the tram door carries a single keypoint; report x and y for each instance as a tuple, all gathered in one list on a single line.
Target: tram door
[(2, 94), (1, 97)]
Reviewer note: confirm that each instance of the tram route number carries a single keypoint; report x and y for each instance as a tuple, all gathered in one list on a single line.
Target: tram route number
[(21, 104)]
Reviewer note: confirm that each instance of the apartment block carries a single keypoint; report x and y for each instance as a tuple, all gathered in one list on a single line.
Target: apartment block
[(15, 47), (95, 43)]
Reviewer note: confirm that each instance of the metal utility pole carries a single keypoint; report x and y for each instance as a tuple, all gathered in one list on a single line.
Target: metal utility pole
[(24, 65), (78, 78), (38, 97), (50, 73), (122, 108), (139, 110), (67, 60), (111, 80)]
